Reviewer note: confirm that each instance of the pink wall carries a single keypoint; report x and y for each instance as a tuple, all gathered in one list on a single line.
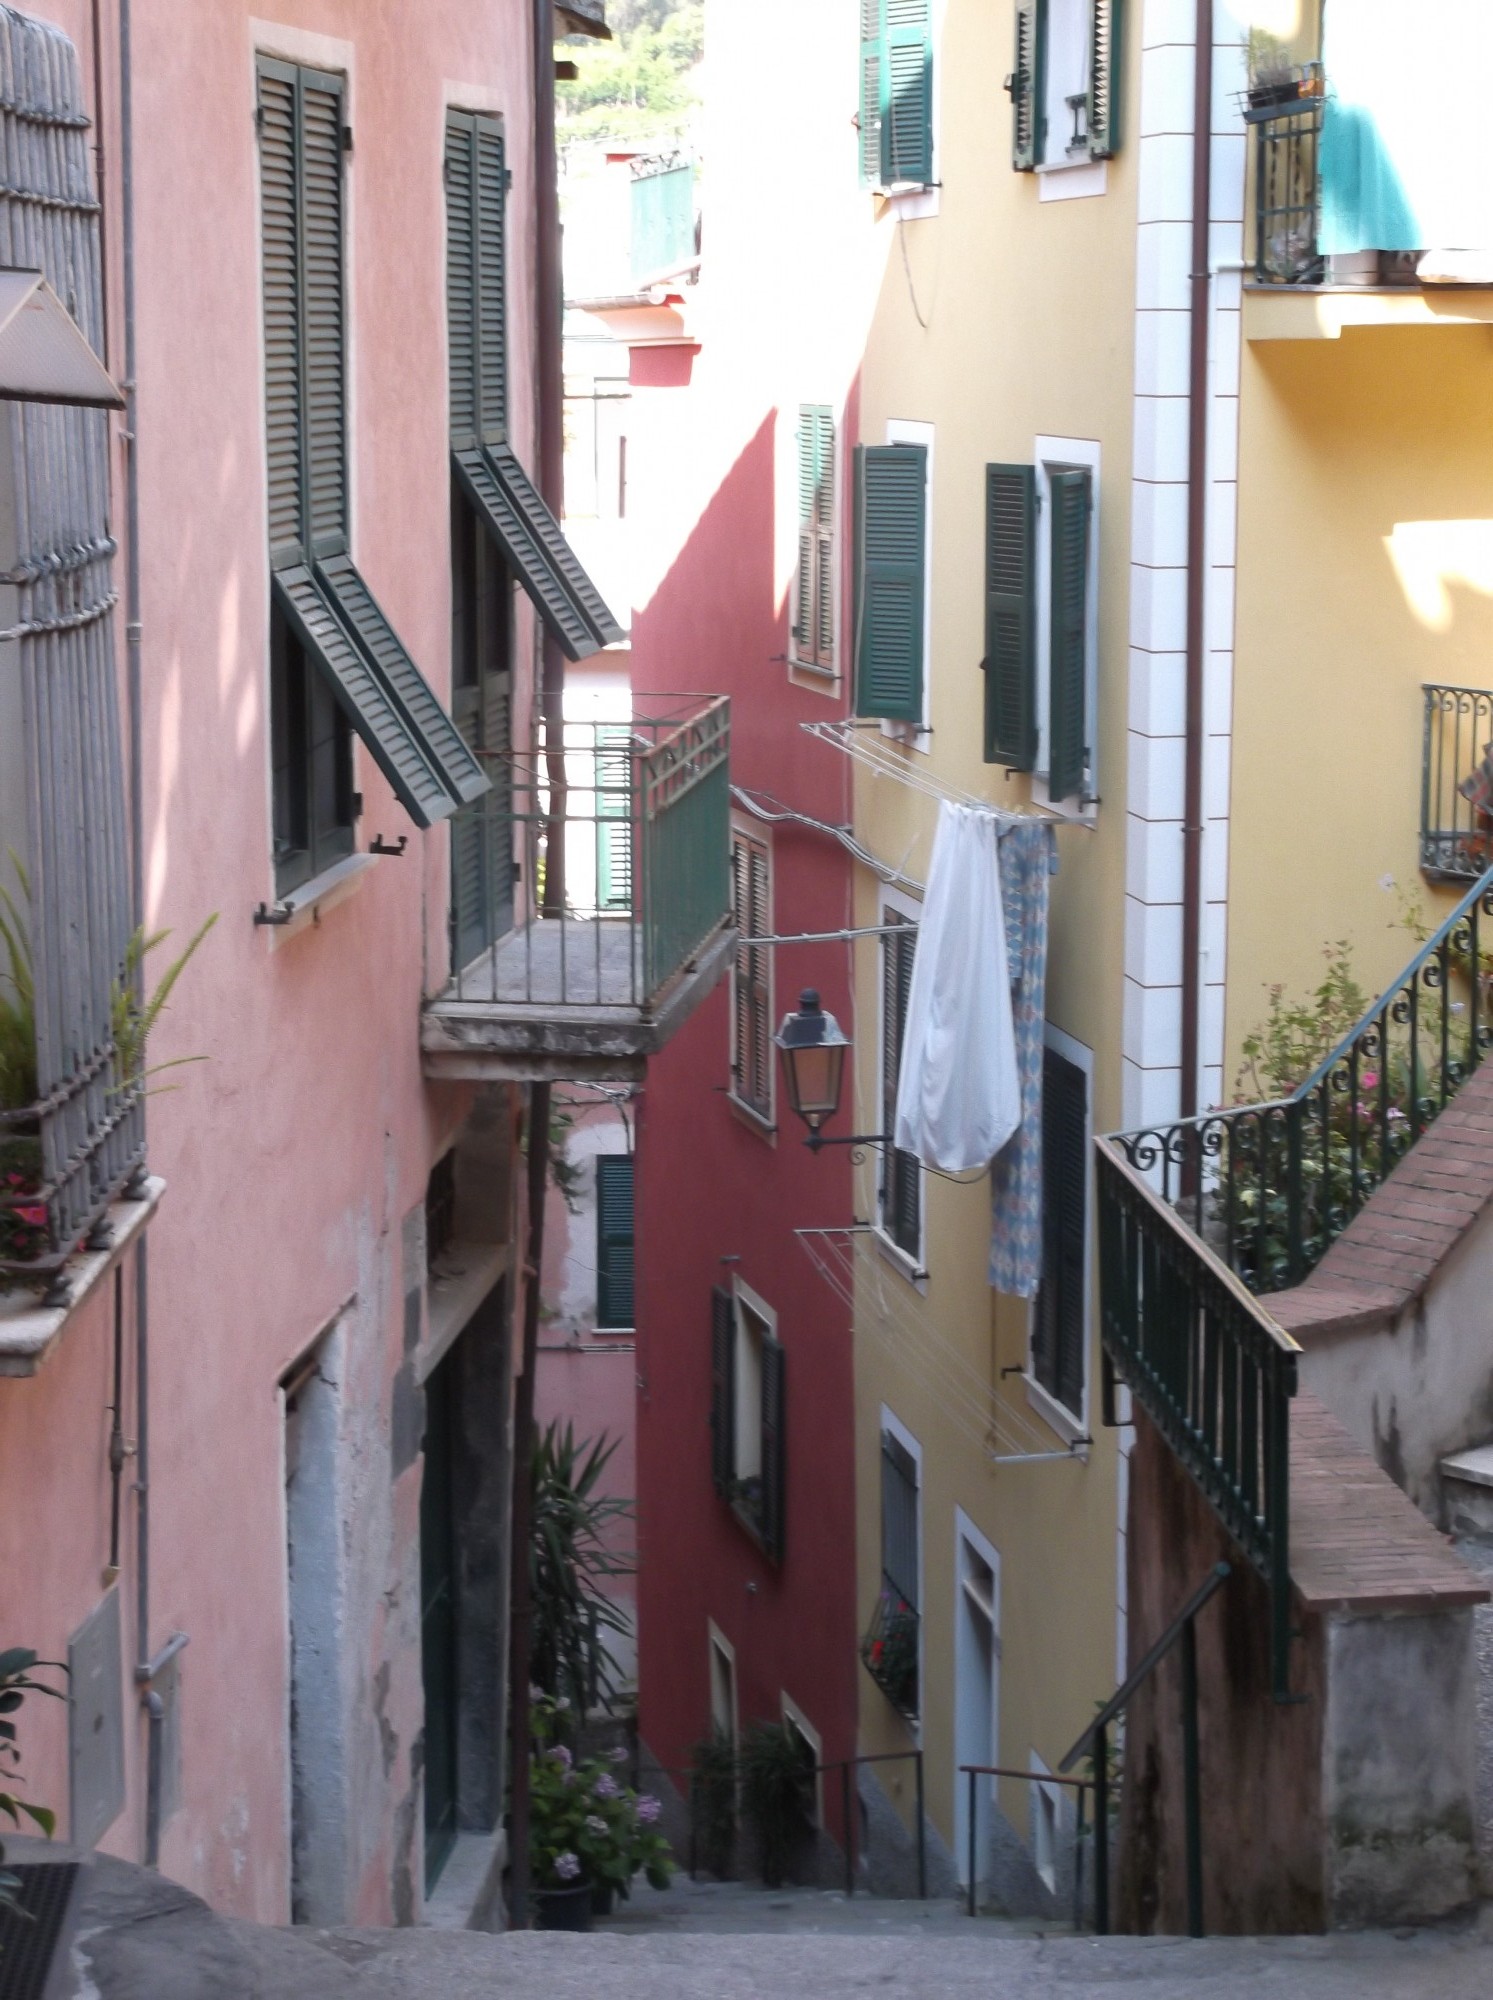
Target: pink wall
[(294, 1152)]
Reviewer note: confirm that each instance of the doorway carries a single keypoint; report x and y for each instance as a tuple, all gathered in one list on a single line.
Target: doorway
[(976, 1690), (439, 1635)]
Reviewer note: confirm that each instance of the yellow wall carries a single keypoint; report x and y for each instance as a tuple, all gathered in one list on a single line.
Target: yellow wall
[(1030, 331), (1365, 569)]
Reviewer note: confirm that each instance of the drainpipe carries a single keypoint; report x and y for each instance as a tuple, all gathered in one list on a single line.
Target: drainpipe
[(550, 383), (1197, 574)]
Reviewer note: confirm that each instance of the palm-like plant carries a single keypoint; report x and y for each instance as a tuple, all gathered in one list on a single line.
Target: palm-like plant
[(569, 1559), (17, 1001)]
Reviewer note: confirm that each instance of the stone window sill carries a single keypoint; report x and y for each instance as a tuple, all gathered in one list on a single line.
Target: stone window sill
[(30, 1330), (307, 905)]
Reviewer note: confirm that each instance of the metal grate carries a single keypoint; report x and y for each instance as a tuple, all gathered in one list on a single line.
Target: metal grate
[(1456, 832), (1288, 187), (31, 1942)]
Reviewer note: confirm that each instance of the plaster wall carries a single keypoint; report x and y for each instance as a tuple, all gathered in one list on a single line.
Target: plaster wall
[(295, 1150)]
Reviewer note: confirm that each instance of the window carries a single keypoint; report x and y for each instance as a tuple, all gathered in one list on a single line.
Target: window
[(614, 816), (1060, 1317), (1041, 622), (891, 490), (440, 1209), (482, 708), (896, 93), (751, 976), (746, 1414), (722, 1685), (342, 639), (614, 1241), (812, 639), (1064, 89), (900, 1197), (483, 461), (892, 1647)]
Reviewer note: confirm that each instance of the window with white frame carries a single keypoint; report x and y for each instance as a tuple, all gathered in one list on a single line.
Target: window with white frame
[(811, 638), (747, 1410), (1059, 1339), (899, 1203), (1065, 83), (751, 974)]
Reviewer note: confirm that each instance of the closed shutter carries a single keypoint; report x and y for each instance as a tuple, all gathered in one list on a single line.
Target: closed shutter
[(614, 1240), (751, 1053), (907, 130), (323, 323), (491, 181), (901, 1194), (476, 277), (1010, 636), (824, 540), (803, 583), (722, 1391), (899, 1519), (461, 275), (282, 311), (774, 1454), (1106, 70), (614, 817), (873, 75), (1059, 1342), (1025, 85), (891, 492), (1068, 736), (497, 745)]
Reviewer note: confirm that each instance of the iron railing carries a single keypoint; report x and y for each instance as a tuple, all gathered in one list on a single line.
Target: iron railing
[(889, 1650), (644, 814), (1270, 1187), (1207, 1363), (1081, 1831), (1287, 121), (1456, 831)]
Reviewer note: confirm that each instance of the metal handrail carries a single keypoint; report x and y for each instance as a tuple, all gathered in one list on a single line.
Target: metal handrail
[(1081, 1785)]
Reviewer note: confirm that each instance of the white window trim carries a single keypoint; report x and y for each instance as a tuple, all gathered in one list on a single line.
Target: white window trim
[(794, 1714), (743, 1295), (809, 673), (750, 829), (967, 1534), (1072, 180), (1070, 1425), (890, 1422), (1053, 1796), (716, 1641), (919, 736), (915, 1270), (1052, 454), (1064, 159), (920, 204)]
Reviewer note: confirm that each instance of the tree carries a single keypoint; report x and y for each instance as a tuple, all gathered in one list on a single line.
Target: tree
[(640, 86)]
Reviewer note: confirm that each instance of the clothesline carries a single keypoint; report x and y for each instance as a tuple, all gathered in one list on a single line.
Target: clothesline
[(864, 742)]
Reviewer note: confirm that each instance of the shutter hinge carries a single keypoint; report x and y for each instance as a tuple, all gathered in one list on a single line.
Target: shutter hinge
[(347, 138), (507, 179), (259, 118), (357, 805)]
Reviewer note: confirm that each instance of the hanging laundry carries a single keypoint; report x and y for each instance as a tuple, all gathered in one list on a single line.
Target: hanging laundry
[(958, 1094), (1028, 859)]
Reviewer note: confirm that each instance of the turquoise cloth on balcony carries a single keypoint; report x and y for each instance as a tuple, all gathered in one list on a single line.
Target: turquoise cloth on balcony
[(1028, 859), (1405, 162)]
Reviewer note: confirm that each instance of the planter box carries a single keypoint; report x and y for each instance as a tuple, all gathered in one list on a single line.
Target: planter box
[(563, 1909)]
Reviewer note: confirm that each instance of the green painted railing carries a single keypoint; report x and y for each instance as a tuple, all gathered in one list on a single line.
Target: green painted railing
[(684, 797), (1456, 838), (1209, 1366)]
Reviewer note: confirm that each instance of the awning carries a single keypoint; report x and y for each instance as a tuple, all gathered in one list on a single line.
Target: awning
[(582, 17), (44, 354), (535, 548), (379, 688)]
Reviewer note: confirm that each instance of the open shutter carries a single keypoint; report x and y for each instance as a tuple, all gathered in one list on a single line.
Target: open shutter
[(1025, 85), (873, 86), (1060, 1342), (891, 492), (614, 1240), (461, 275), (1106, 59), (824, 540), (774, 1457), (803, 583), (282, 293), (907, 129), (535, 548), (1010, 622), (1067, 745), (722, 1390), (324, 325), (614, 816)]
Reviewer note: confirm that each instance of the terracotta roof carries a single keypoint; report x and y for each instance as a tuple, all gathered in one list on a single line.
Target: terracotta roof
[(1357, 1541), (1393, 1247)]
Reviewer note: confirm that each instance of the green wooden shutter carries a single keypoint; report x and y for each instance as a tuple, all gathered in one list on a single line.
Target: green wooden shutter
[(1068, 742), (824, 539), (614, 817), (461, 270), (774, 1454), (1025, 85), (1010, 616), (891, 515), (907, 129), (323, 320), (803, 582), (282, 310), (1060, 1336), (1106, 74), (614, 1240), (476, 277), (873, 88), (722, 1390)]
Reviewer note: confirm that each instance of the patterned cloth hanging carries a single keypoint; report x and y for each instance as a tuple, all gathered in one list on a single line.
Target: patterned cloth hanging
[(1028, 861)]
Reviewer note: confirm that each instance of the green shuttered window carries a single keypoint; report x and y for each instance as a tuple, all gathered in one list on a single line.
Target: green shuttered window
[(318, 591), (1010, 615), (1065, 81), (901, 1194), (614, 1241), (813, 632), (896, 93), (1059, 1332), (1067, 730), (530, 538), (891, 485)]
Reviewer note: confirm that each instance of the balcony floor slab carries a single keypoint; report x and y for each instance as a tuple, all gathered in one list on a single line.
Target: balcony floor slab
[(30, 1330)]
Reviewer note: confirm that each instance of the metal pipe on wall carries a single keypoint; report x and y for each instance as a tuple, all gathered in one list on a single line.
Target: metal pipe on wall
[(1197, 572)]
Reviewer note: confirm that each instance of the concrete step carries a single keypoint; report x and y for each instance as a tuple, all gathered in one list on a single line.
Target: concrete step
[(1467, 1488)]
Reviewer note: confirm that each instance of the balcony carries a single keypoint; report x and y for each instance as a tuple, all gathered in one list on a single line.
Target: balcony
[(1456, 809), (618, 925)]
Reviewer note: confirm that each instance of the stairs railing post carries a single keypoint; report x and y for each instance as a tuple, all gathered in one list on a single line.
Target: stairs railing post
[(1192, 1789), (972, 1777), (1101, 1831), (922, 1835)]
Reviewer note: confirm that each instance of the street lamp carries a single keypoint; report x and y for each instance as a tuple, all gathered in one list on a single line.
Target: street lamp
[(813, 1045)]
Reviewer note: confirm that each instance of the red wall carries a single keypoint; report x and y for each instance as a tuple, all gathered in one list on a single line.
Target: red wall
[(716, 1198)]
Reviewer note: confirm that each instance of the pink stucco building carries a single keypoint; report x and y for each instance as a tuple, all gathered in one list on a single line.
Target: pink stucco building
[(256, 1486)]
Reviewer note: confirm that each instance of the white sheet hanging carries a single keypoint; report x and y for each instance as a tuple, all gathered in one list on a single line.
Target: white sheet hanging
[(958, 1092)]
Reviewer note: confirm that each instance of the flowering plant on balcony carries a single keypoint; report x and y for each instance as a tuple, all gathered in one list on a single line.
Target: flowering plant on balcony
[(890, 1650), (585, 1824)]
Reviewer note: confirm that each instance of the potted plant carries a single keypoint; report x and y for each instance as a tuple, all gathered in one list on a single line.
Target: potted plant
[(30, 1907), (713, 1803), (590, 1833), (1273, 78), (891, 1652), (776, 1798)]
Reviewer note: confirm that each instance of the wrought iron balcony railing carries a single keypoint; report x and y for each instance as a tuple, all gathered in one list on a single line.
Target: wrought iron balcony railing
[(890, 1649), (1287, 122), (1456, 797)]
